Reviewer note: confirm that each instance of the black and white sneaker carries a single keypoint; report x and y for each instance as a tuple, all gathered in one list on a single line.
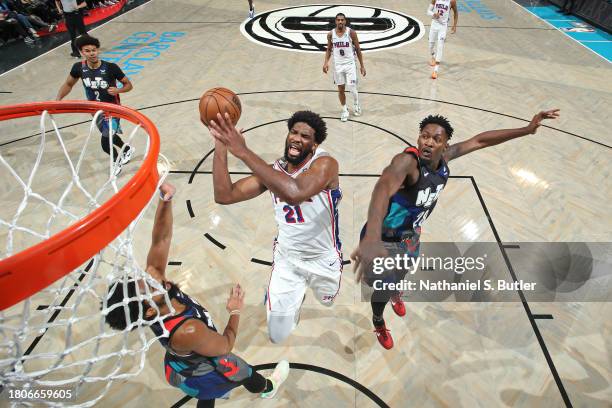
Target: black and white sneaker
[(127, 154)]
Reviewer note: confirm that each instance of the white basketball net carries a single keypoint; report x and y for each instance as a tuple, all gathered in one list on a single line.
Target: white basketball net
[(57, 339)]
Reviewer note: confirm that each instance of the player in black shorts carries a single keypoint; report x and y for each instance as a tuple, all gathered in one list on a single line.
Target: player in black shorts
[(404, 197), (99, 79)]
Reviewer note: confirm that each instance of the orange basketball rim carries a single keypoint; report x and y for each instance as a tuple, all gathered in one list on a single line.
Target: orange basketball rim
[(33, 269)]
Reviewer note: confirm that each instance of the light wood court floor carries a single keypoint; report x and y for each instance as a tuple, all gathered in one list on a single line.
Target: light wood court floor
[(551, 187)]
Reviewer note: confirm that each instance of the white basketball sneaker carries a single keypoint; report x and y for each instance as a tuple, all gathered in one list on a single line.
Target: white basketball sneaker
[(357, 110), (345, 115), (252, 13), (127, 154), (279, 375)]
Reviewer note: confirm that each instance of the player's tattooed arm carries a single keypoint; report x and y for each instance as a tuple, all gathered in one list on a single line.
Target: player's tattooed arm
[(161, 237), (358, 51), (495, 137), (328, 52), (227, 192), (455, 16), (66, 87)]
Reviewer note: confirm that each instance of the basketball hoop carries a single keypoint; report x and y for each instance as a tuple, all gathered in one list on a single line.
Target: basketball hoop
[(54, 257), (57, 287)]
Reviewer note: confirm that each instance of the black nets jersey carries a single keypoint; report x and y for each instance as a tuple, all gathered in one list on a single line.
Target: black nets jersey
[(97, 81), (411, 205)]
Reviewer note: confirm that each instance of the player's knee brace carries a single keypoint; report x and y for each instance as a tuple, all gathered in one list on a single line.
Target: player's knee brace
[(355, 95), (280, 327), (440, 49)]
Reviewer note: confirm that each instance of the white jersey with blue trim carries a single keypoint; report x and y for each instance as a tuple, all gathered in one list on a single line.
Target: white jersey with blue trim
[(343, 50), (308, 230), (443, 8)]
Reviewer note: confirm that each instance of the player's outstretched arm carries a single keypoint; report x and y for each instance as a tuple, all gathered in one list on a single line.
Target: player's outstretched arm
[(403, 168), (157, 259), (227, 192), (495, 137), (66, 87), (195, 336)]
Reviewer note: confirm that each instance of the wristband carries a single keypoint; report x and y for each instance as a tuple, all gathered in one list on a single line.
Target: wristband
[(235, 312)]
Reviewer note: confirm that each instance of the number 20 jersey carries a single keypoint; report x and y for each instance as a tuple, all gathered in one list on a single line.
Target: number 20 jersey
[(308, 230)]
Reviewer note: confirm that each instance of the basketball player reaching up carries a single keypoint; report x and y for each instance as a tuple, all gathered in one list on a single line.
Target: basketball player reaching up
[(345, 44), (198, 359), (305, 191), (99, 79), (439, 10), (406, 194)]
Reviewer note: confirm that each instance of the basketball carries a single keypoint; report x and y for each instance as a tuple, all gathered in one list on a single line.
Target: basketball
[(219, 100)]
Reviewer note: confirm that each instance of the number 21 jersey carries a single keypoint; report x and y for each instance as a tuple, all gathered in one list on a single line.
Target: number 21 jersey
[(310, 229)]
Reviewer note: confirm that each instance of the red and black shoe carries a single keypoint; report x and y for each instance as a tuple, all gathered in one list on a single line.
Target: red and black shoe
[(398, 305), (384, 336)]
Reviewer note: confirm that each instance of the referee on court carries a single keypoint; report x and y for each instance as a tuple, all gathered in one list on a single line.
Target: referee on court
[(73, 17)]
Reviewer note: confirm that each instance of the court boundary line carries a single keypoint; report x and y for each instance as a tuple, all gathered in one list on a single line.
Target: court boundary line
[(316, 369), (350, 120), (525, 303), (557, 29)]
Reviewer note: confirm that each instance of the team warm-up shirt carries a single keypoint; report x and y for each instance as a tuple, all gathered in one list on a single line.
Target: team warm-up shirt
[(310, 229), (97, 81)]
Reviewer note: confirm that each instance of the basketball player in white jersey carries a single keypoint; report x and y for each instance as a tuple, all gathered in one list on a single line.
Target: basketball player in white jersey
[(345, 45), (439, 10), (305, 191)]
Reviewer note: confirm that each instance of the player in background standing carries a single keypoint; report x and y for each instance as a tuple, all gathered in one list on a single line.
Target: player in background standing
[(439, 10), (344, 44), (100, 78)]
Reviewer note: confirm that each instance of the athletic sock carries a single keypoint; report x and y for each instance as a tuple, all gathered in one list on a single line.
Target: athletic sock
[(269, 385)]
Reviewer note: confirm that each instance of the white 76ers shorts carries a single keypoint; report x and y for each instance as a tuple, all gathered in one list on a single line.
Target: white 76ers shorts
[(291, 276), (345, 74)]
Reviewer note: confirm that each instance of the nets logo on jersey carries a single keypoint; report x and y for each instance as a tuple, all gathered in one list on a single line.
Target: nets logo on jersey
[(305, 28)]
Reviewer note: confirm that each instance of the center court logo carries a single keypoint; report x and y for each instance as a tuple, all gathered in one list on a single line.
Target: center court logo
[(305, 28)]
